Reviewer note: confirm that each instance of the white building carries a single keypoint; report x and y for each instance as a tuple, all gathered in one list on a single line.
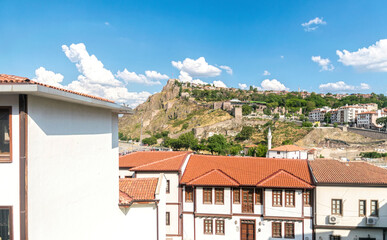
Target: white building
[(151, 164), (288, 151), (368, 119), (142, 200), (246, 198), (58, 163), (318, 114), (350, 200)]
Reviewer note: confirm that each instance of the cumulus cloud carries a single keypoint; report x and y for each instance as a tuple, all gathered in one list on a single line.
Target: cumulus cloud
[(313, 24), (266, 73), (132, 77), (197, 68), (48, 77), (372, 58), (324, 63), (242, 86), (219, 83), (273, 84), (227, 68), (342, 87)]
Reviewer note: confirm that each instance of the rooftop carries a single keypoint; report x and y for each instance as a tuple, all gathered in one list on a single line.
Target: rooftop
[(208, 170), (288, 148), (353, 172), (137, 189)]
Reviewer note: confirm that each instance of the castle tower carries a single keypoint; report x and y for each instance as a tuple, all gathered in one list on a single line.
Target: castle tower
[(269, 139)]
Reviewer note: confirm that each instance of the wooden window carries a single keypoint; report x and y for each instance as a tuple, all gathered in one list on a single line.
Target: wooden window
[(337, 207), (6, 228), (5, 134), (276, 230), (237, 196), (289, 230), (207, 226), (307, 198), (277, 198), (289, 198), (258, 196), (219, 196), (207, 195), (168, 186), (248, 200), (362, 208), (334, 237), (374, 208), (188, 194), (167, 218), (219, 224)]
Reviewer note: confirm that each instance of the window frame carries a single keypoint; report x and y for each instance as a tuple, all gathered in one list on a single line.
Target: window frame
[(376, 210), (167, 218), (258, 193), (286, 230), (210, 222), (206, 192), (9, 160), (219, 192), (168, 187), (307, 194), (236, 201), (292, 195), (274, 203), (364, 208), (341, 207), (334, 237), (188, 194), (280, 229), (10, 209), (219, 222)]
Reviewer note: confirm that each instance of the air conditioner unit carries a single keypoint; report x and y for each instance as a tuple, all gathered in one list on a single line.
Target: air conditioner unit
[(333, 219), (371, 220)]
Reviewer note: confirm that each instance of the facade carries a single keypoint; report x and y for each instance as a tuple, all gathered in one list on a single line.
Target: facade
[(58, 163), (350, 200), (318, 115), (368, 119), (246, 198), (288, 151)]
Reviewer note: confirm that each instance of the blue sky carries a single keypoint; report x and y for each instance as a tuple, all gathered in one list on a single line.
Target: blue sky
[(247, 36)]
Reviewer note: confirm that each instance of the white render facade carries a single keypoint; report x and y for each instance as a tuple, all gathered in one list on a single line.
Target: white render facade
[(299, 154)]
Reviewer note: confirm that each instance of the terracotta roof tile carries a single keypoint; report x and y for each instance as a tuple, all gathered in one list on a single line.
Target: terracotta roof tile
[(336, 172), (283, 179), (288, 148), (247, 171), (132, 189), (11, 79), (153, 161), (214, 177)]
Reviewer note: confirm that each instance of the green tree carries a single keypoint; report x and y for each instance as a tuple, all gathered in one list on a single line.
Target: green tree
[(245, 133), (246, 109), (307, 124), (259, 151), (235, 149), (382, 121), (217, 144), (327, 117), (149, 141), (188, 140)]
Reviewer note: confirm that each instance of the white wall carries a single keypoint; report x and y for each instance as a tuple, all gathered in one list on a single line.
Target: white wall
[(213, 208), (73, 171), (295, 211), (289, 155), (9, 172), (140, 222)]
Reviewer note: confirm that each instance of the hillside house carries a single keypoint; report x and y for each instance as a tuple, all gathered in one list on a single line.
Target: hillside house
[(288, 151)]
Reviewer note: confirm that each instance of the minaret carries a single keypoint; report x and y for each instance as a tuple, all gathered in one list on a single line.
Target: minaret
[(269, 139)]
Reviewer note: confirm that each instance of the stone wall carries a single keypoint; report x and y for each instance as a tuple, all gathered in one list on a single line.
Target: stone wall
[(368, 133)]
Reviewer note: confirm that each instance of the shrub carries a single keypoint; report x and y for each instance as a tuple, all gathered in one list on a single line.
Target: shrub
[(150, 141), (307, 124)]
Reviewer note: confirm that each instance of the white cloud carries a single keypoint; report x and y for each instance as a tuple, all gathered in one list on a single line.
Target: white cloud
[(373, 58), (273, 84), (324, 63), (342, 87), (197, 68), (156, 75), (266, 73), (48, 77), (227, 68), (313, 24), (242, 86), (219, 84), (132, 77), (282, 57), (107, 23)]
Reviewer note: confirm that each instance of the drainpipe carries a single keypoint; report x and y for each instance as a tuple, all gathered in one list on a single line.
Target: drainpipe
[(157, 219)]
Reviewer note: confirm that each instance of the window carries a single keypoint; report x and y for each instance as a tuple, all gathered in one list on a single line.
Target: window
[(188, 194), (278, 152), (289, 198), (168, 186), (6, 223), (167, 218), (207, 226), (362, 208), (307, 199), (334, 237), (219, 196), (219, 226), (258, 196), (237, 195), (374, 208), (276, 230), (5, 134), (277, 198), (207, 195), (337, 207), (289, 230)]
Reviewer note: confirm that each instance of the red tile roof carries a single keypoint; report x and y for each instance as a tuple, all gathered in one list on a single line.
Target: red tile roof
[(205, 170), (137, 189), (336, 172), (288, 148), (153, 161), (11, 79)]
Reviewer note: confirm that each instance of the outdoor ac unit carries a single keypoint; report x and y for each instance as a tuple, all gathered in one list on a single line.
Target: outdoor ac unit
[(371, 220), (333, 219)]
